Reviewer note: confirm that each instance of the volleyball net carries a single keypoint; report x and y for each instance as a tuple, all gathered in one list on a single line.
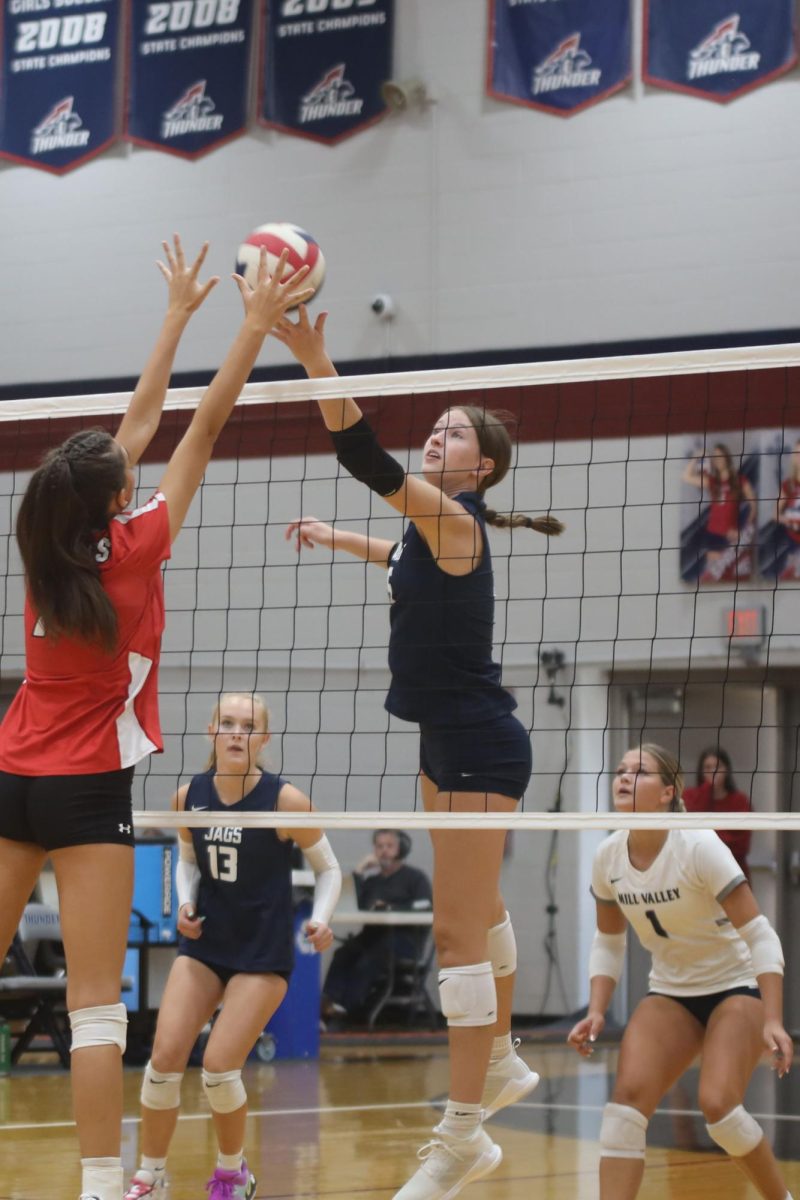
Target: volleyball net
[(667, 611)]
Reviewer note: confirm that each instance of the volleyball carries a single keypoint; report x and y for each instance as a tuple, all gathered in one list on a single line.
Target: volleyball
[(279, 236)]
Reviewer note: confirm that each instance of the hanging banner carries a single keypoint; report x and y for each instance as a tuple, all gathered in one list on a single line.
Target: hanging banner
[(717, 49), (58, 91), (322, 66), (558, 55), (188, 73)]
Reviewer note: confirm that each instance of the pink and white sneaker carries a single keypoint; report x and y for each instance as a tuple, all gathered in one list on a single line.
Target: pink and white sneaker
[(144, 1184)]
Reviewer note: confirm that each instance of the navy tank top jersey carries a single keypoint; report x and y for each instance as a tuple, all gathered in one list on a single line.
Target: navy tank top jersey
[(440, 644), (245, 890)]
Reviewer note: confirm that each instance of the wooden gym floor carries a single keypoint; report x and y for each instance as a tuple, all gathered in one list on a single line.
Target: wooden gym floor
[(349, 1126)]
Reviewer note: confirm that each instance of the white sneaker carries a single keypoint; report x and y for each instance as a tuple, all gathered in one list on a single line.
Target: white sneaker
[(449, 1164), (507, 1081)]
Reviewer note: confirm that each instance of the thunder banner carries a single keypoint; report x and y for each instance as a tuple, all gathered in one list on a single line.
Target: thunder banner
[(322, 65), (188, 73), (558, 55), (59, 70), (717, 49)]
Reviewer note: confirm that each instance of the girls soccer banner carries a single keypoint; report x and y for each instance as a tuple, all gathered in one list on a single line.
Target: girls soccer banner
[(558, 55), (322, 66), (717, 49), (188, 73), (58, 91)]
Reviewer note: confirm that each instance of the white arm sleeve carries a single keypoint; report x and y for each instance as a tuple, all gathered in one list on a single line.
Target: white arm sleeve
[(764, 946), (187, 875), (328, 882), (607, 955)]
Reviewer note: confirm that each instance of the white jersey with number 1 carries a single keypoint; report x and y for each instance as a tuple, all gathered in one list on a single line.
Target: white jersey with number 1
[(675, 908)]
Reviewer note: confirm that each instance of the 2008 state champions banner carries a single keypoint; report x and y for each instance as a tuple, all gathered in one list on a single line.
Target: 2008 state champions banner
[(322, 66), (720, 48), (558, 55), (188, 73), (58, 92)]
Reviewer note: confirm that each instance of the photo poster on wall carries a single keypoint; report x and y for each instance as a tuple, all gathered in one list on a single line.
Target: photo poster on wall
[(719, 497), (58, 95), (323, 64), (779, 513), (717, 50), (188, 74), (559, 56)]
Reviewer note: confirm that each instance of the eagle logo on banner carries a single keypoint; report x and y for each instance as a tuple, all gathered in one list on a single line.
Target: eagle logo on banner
[(711, 51), (58, 81), (323, 65), (559, 55)]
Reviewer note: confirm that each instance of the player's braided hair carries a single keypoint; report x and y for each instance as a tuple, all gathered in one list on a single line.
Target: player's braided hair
[(495, 442), (66, 503)]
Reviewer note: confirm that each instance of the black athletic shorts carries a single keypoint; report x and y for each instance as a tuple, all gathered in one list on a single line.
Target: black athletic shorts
[(493, 757), (702, 1007), (226, 974), (54, 811)]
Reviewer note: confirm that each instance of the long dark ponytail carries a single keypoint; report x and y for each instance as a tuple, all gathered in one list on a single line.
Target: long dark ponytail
[(65, 503)]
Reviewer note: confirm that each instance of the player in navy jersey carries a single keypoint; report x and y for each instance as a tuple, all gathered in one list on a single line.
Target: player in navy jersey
[(715, 984), (475, 756), (87, 710), (236, 946)]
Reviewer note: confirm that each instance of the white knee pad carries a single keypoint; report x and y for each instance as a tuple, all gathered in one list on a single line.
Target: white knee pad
[(622, 1132), (737, 1133), (104, 1025), (224, 1090), (503, 948), (161, 1089), (467, 994)]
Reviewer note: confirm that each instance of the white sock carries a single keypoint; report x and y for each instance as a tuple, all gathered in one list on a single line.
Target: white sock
[(460, 1120), (102, 1177), (230, 1162), (154, 1167), (501, 1046)]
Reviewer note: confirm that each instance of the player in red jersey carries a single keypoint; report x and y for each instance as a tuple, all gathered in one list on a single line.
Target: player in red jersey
[(789, 516), (727, 527), (87, 711)]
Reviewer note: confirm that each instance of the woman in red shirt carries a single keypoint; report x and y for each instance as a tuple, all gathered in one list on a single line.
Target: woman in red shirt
[(717, 792), (87, 710)]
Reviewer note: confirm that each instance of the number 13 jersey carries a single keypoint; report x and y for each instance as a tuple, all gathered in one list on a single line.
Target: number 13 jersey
[(675, 908)]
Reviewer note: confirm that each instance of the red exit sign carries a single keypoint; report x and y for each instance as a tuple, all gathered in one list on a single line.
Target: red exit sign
[(747, 624)]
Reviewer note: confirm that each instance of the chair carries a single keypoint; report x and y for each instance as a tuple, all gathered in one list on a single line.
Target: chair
[(405, 986), (28, 995)]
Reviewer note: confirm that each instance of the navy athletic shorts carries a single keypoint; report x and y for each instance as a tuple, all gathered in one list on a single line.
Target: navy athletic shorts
[(493, 757), (226, 974), (702, 1007), (54, 811)]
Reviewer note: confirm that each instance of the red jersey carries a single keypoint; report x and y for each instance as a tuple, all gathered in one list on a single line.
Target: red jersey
[(701, 799), (790, 492), (81, 710), (723, 511)]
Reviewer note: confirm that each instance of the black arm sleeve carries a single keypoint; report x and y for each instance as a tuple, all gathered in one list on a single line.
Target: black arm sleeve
[(358, 451)]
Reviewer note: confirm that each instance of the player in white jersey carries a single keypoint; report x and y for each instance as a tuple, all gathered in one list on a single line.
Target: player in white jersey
[(716, 981)]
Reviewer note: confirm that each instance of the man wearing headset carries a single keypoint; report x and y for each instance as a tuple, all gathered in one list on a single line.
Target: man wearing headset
[(383, 882)]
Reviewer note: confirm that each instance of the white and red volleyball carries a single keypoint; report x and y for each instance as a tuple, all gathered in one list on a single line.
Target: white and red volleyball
[(279, 236)]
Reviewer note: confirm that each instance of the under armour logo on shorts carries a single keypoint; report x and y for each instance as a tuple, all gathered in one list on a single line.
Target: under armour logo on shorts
[(124, 828)]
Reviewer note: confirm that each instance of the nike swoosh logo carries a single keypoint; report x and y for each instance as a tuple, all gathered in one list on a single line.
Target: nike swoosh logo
[(616, 879), (199, 808)]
